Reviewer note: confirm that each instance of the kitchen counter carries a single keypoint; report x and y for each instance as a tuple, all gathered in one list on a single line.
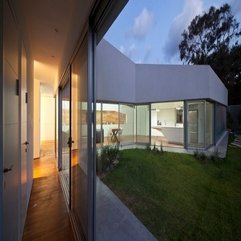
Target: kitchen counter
[(173, 134)]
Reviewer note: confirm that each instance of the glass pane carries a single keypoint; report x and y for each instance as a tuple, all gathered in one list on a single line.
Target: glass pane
[(79, 181), (220, 123), (142, 124), (65, 134), (209, 124), (99, 129), (110, 123), (127, 124), (167, 124), (196, 124)]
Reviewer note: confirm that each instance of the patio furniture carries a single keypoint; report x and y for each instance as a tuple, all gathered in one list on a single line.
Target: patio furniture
[(115, 132)]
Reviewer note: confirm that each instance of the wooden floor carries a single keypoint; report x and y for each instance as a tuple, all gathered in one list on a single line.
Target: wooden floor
[(47, 217)]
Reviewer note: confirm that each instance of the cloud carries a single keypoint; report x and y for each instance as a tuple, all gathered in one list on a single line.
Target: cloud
[(142, 24), (191, 9), (147, 54), (236, 6), (129, 51)]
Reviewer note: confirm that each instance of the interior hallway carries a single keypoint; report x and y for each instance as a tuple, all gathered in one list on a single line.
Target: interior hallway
[(47, 216)]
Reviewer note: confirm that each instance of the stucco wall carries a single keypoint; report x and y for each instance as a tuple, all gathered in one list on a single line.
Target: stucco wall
[(115, 75), (156, 83), (119, 79)]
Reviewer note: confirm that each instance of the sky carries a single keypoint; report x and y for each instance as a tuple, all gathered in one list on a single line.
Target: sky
[(149, 31)]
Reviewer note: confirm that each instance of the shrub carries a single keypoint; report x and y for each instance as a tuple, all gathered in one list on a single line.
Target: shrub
[(162, 151), (200, 156), (148, 147), (155, 149), (108, 157), (215, 156), (231, 137)]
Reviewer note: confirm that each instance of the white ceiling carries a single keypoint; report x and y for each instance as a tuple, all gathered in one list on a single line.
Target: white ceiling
[(51, 29), (167, 105)]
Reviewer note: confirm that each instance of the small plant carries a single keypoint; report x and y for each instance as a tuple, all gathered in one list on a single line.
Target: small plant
[(148, 147), (155, 149), (195, 154), (109, 157), (200, 156), (231, 137), (215, 157), (162, 151)]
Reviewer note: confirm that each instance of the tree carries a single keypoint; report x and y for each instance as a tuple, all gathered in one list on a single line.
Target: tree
[(213, 38)]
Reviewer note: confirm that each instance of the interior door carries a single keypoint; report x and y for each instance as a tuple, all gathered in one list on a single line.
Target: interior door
[(24, 142), (11, 170)]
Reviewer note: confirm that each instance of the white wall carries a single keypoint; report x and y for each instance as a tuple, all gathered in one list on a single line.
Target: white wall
[(30, 124), (121, 80), (115, 75), (47, 118), (156, 83)]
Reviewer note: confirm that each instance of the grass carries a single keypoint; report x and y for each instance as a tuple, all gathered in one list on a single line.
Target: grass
[(180, 198)]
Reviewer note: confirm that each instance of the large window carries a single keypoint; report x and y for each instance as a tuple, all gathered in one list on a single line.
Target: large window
[(110, 123), (209, 130), (200, 124), (127, 124), (142, 124), (220, 123), (167, 124)]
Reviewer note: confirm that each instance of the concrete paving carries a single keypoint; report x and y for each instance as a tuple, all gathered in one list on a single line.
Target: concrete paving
[(236, 142), (114, 221)]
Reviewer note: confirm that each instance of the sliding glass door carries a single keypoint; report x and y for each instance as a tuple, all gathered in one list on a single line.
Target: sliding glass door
[(200, 127), (193, 128), (65, 137), (142, 124), (80, 161)]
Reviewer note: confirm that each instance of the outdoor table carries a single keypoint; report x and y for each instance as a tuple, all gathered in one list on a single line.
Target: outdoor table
[(114, 134)]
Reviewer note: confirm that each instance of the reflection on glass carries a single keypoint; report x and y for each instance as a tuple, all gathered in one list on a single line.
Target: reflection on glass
[(142, 124), (79, 175), (127, 124), (167, 124), (209, 124), (99, 129), (193, 127), (65, 133), (200, 124), (220, 124), (110, 123)]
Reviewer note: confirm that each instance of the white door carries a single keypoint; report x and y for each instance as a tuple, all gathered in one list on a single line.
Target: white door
[(11, 177), (23, 136)]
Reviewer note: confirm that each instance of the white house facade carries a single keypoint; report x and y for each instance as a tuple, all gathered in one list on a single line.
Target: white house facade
[(178, 107)]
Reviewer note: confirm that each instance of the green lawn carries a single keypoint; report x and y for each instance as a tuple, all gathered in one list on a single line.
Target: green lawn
[(180, 198)]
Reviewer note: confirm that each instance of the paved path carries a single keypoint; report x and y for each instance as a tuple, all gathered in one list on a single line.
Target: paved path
[(236, 142), (114, 221)]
